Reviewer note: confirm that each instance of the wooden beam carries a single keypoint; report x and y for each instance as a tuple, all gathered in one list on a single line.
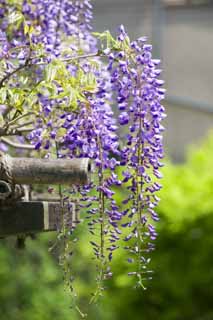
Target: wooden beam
[(49, 171), (5, 190), (33, 217)]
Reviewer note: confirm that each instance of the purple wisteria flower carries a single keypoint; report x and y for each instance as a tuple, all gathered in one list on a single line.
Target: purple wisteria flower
[(134, 79), (55, 18), (77, 97)]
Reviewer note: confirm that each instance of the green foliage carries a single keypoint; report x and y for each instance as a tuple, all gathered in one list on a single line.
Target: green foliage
[(182, 261), (107, 41), (15, 18), (31, 284), (180, 288), (188, 188)]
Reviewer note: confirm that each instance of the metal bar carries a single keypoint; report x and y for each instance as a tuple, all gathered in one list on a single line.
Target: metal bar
[(190, 103)]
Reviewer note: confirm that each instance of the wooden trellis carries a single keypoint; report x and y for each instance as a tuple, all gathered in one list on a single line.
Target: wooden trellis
[(18, 215)]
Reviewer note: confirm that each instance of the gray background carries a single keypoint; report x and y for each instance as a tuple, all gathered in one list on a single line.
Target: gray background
[(182, 36)]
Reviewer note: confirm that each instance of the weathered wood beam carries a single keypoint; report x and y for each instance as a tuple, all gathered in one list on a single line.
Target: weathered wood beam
[(5, 190), (49, 171), (33, 217)]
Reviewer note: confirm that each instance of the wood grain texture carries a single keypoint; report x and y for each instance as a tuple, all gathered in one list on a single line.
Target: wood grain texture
[(35, 216), (50, 171)]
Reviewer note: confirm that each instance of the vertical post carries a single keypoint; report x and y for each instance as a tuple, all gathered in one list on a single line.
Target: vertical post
[(158, 20)]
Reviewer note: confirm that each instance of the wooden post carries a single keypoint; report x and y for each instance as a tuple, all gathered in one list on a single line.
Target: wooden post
[(35, 216), (49, 171), (23, 217)]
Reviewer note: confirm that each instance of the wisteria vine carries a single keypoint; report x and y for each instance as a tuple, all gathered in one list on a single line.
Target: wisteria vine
[(60, 88)]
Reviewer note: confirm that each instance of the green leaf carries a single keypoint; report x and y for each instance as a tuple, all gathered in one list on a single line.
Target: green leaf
[(1, 120), (3, 95), (61, 132), (50, 72), (26, 29), (15, 17), (32, 100), (106, 38)]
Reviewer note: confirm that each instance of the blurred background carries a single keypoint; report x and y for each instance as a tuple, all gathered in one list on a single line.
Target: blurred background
[(31, 284), (181, 32)]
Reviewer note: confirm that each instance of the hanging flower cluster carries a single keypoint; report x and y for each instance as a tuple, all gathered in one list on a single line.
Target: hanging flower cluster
[(54, 73), (134, 77)]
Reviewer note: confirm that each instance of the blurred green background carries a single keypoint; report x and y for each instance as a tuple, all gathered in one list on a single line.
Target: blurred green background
[(31, 284)]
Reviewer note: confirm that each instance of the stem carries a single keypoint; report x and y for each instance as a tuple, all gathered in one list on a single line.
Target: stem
[(21, 131), (14, 49), (139, 180), (102, 219), (23, 125), (102, 226), (17, 70), (83, 315), (28, 64), (61, 198), (17, 145), (84, 56), (12, 73), (63, 231), (14, 131), (101, 204), (19, 118)]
